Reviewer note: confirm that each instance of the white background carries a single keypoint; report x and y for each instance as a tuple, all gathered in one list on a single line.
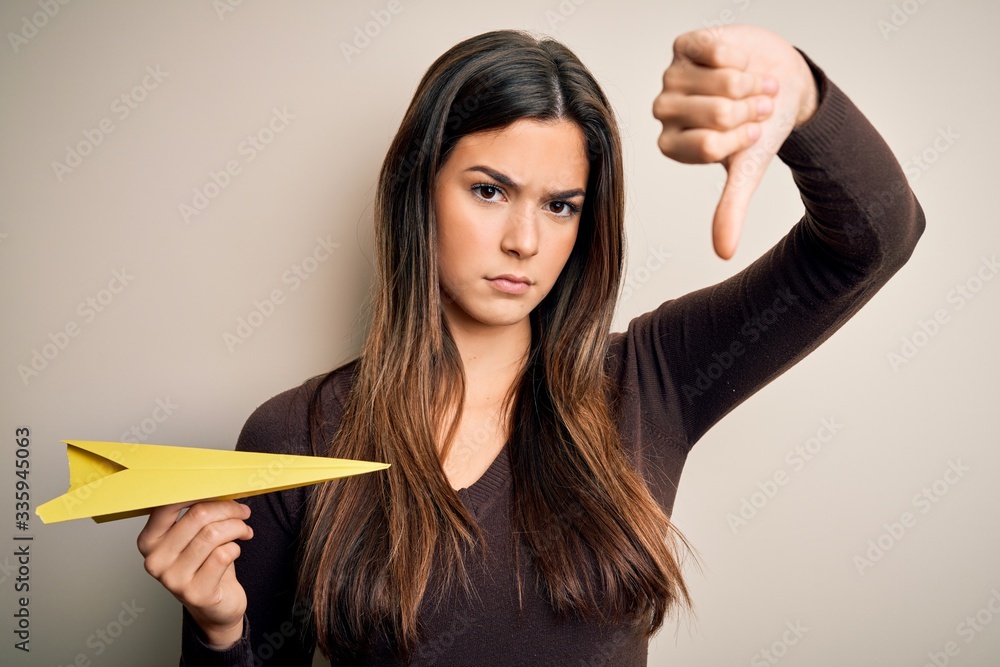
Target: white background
[(162, 337)]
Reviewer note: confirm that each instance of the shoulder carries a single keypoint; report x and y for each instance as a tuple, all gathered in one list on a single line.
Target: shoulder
[(282, 424)]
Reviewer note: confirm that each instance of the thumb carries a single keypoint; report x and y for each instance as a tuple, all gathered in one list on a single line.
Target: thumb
[(744, 171)]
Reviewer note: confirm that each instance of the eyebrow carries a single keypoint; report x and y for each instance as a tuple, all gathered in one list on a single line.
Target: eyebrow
[(503, 179)]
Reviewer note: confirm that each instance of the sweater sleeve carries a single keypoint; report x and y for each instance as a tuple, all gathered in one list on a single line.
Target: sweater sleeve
[(697, 357), (266, 567)]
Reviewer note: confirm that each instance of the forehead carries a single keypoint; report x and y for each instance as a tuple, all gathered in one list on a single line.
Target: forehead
[(528, 148)]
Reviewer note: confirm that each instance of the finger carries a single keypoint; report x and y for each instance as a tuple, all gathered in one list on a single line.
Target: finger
[(160, 520), (715, 113), (701, 146), (214, 569), (744, 173), (692, 79), (201, 550), (708, 47), (170, 543)]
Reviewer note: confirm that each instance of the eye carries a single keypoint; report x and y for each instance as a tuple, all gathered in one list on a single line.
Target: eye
[(486, 191), (565, 209)]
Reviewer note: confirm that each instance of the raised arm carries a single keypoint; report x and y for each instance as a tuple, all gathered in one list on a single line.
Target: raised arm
[(699, 356)]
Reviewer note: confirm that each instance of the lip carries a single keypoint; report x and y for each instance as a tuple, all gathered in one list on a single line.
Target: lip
[(510, 284)]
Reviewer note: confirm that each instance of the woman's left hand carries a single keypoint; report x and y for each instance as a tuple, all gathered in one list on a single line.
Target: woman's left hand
[(732, 95)]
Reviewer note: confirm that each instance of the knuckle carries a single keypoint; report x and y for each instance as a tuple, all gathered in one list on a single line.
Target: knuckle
[(211, 533), (225, 554), (657, 107), (742, 84), (662, 107), (153, 567), (711, 149), (731, 84), (693, 50), (670, 78), (171, 581), (200, 513), (694, 47), (724, 113), (702, 36), (665, 143), (686, 45)]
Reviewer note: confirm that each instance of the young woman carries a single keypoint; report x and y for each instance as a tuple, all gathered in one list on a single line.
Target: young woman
[(535, 455)]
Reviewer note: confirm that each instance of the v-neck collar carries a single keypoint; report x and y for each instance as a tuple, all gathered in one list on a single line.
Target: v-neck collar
[(481, 494)]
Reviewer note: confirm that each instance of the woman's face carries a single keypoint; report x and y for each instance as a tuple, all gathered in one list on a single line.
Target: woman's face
[(507, 203)]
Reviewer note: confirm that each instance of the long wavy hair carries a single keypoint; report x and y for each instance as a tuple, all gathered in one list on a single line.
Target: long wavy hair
[(372, 541)]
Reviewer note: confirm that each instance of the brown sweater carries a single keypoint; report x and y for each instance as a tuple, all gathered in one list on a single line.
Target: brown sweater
[(681, 367)]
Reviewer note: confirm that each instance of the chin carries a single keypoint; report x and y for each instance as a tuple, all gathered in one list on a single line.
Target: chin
[(492, 310), (501, 317)]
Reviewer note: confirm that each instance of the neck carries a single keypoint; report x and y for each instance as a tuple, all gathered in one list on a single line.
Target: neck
[(492, 356)]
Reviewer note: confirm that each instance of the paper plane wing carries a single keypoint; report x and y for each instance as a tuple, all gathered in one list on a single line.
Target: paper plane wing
[(117, 480)]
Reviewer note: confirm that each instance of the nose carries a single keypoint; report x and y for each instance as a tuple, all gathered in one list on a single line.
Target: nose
[(520, 234)]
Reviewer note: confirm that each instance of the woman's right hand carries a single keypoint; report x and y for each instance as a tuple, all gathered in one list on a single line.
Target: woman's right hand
[(193, 558), (733, 94)]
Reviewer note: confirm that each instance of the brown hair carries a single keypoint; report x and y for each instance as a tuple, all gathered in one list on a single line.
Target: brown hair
[(371, 541)]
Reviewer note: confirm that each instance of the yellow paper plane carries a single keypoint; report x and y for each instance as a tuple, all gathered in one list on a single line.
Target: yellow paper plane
[(118, 480)]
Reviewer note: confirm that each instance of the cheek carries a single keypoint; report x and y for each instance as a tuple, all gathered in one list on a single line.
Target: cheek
[(566, 247), (556, 264), (449, 250), (467, 234), (457, 251)]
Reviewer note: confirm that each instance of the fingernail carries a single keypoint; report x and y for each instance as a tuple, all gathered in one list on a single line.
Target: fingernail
[(770, 84), (764, 106), (753, 131)]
